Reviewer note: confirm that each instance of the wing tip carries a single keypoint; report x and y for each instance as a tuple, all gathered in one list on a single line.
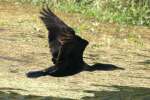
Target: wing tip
[(46, 11)]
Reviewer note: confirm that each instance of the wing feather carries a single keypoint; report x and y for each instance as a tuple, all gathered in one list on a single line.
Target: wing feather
[(54, 24)]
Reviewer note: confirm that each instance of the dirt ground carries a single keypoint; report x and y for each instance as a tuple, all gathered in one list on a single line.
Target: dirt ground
[(24, 47)]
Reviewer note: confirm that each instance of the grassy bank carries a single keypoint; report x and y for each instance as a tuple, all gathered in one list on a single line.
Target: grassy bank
[(133, 12)]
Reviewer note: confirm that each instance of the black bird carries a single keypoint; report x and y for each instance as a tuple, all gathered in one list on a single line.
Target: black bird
[(66, 48)]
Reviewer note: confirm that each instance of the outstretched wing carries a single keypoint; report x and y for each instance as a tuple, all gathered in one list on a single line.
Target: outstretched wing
[(55, 26)]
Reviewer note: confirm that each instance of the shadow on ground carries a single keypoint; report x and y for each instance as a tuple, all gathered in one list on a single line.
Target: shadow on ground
[(120, 93), (9, 94)]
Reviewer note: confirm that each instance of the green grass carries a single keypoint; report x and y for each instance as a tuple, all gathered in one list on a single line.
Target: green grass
[(131, 12)]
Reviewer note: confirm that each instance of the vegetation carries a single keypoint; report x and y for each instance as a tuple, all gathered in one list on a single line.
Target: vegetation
[(133, 12)]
